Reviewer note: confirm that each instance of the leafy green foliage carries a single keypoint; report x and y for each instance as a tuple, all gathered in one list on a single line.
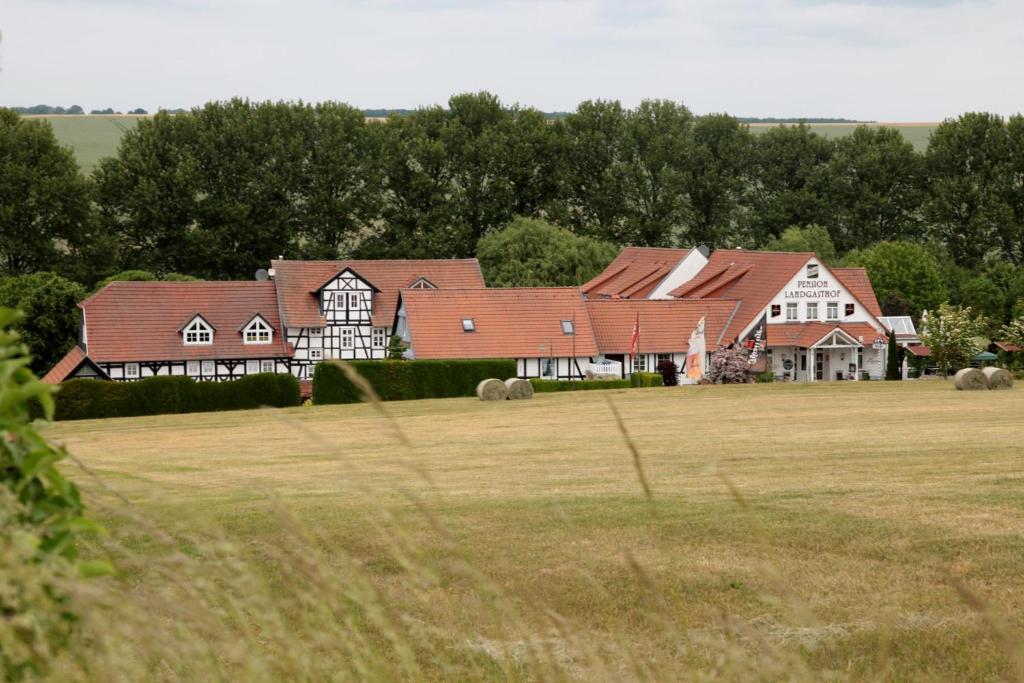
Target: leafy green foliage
[(50, 324), (534, 253), (892, 359), (952, 334), (901, 272), (396, 348), (1013, 332), (545, 386), (404, 380), (81, 399), (812, 238), (646, 379)]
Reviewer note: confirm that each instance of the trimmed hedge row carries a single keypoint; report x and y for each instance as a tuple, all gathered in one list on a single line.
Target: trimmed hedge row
[(543, 386), (646, 379), (81, 399), (400, 380)]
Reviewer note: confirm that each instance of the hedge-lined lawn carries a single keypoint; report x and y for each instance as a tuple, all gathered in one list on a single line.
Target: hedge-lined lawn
[(513, 540)]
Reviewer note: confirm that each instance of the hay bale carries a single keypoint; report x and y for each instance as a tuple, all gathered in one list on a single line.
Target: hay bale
[(998, 378), (518, 388), (970, 379), (491, 390)]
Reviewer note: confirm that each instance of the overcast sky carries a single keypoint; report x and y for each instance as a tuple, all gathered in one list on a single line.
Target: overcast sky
[(901, 60)]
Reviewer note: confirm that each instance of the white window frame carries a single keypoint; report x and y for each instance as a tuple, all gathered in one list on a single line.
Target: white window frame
[(208, 368), (378, 337), (252, 367), (832, 310), (192, 367), (268, 365), (812, 310), (640, 363), (131, 370), (258, 331), (792, 312), (468, 325), (348, 338), (316, 331), (568, 327), (316, 354), (199, 331), (353, 300)]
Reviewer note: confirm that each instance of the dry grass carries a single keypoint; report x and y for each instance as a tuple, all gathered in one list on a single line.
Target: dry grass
[(850, 531)]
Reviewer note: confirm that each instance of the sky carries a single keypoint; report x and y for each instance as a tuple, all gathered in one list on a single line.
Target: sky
[(896, 60)]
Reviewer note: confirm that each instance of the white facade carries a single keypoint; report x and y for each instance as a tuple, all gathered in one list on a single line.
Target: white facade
[(683, 272), (565, 367), (202, 370)]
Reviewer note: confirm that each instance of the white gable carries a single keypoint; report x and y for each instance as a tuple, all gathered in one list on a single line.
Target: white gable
[(825, 289), (683, 272)]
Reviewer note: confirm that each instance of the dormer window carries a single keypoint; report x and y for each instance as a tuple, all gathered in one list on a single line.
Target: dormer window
[(468, 325), (198, 333), (423, 283), (258, 331)]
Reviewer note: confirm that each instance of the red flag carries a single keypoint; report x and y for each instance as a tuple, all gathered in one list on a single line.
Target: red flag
[(634, 341)]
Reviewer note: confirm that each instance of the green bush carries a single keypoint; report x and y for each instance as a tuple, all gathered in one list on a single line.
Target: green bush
[(81, 399), (766, 377), (647, 379), (543, 386), (401, 380)]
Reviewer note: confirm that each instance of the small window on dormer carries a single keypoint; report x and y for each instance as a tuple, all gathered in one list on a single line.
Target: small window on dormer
[(258, 332), (468, 325), (812, 271), (198, 332), (423, 283)]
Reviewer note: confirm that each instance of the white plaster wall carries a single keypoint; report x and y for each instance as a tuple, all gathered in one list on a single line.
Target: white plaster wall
[(684, 271)]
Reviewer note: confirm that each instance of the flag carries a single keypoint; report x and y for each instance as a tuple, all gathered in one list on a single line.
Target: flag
[(694, 367), (756, 342), (634, 341)]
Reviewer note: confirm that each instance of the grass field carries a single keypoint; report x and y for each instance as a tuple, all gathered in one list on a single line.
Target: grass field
[(793, 532), (95, 137)]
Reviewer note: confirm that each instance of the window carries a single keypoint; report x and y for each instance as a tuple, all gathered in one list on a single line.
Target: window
[(316, 331), (791, 312), (640, 363), (316, 354), (353, 300), (252, 367), (192, 367), (348, 338), (468, 325), (379, 337), (812, 310), (776, 310), (131, 370), (546, 368), (422, 283), (198, 332), (258, 332), (209, 367), (266, 365), (849, 309), (567, 327), (812, 271), (660, 358), (832, 310)]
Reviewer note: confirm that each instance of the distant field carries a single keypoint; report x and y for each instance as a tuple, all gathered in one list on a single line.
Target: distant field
[(916, 133), (92, 137), (95, 137), (832, 531)]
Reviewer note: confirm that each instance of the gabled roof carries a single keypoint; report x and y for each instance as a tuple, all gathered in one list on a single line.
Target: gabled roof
[(809, 334), (297, 280), (335, 276), (510, 323), (665, 324), (857, 282), (753, 277), (634, 273), (192, 316), (139, 321), (67, 366)]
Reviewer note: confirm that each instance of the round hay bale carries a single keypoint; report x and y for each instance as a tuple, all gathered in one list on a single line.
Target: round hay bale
[(518, 388), (491, 390), (970, 379), (998, 378)]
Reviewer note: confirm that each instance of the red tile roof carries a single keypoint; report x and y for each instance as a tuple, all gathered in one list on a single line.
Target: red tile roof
[(65, 366), (665, 324), (1008, 347), (807, 334), (140, 321), (298, 280), (634, 273), (856, 280), (920, 350), (510, 323), (753, 277)]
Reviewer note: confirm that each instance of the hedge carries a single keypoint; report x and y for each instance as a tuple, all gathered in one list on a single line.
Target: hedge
[(400, 380), (646, 379), (81, 399), (542, 386)]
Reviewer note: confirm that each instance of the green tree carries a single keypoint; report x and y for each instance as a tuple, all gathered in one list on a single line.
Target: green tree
[(810, 238), (1013, 331), (533, 253), (952, 334), (787, 162), (396, 348), (873, 186), (982, 295), (901, 271), (892, 359), (718, 179), (50, 304), (45, 211), (969, 179)]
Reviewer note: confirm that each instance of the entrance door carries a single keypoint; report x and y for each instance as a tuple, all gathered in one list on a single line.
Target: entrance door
[(819, 365)]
